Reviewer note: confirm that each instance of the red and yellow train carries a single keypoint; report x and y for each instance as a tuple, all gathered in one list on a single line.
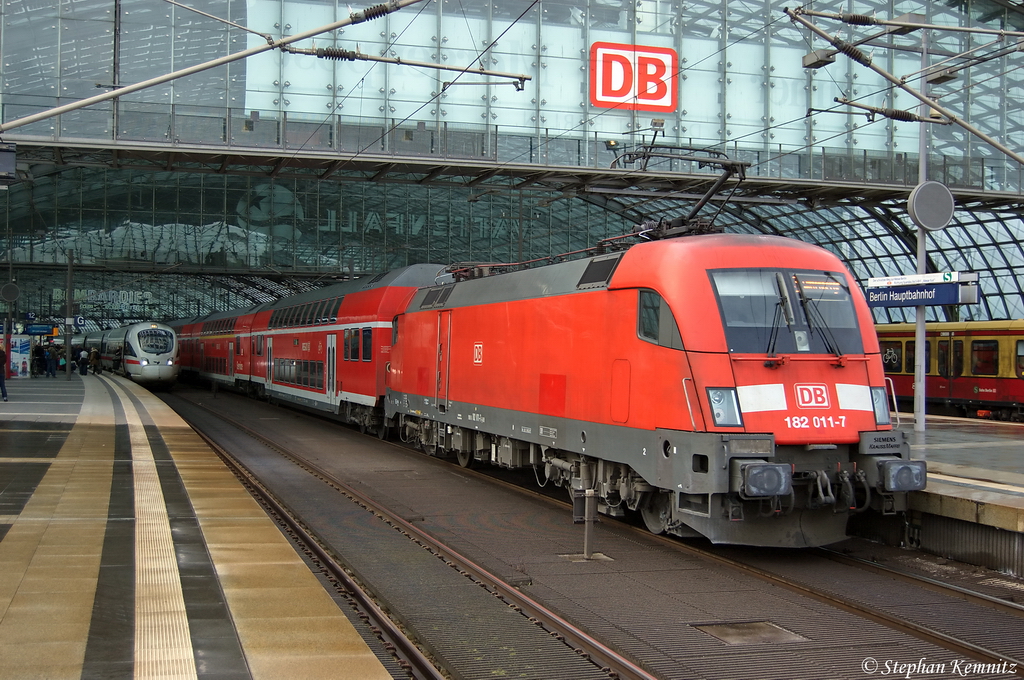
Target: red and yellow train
[(973, 368), (728, 386)]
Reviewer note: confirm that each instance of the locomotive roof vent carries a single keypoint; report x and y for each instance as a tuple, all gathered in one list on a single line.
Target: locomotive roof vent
[(436, 297), (598, 272), (374, 280)]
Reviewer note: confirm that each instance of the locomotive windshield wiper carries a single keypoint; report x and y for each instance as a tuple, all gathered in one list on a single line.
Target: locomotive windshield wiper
[(782, 308)]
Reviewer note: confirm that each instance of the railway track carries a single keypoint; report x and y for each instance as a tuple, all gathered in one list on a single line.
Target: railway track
[(606, 660), (750, 563), (727, 557), (394, 639)]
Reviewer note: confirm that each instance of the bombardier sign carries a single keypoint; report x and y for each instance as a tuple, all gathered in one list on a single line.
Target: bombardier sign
[(633, 77)]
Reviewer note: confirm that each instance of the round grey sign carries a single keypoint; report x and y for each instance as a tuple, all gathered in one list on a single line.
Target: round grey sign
[(931, 205), (10, 292)]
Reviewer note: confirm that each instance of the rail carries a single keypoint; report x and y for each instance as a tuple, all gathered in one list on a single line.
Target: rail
[(602, 655)]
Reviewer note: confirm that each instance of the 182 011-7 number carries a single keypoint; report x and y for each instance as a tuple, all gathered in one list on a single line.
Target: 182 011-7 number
[(807, 422)]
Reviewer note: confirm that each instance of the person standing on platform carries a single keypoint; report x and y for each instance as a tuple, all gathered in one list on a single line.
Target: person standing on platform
[(83, 362), (3, 373), (51, 362), (94, 361)]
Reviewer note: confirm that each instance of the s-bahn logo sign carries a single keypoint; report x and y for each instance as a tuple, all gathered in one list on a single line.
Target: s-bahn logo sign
[(633, 77)]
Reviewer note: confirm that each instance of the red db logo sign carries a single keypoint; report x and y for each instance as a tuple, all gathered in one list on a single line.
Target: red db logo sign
[(633, 77), (812, 396)]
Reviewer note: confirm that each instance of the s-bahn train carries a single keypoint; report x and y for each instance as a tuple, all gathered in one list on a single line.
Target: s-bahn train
[(145, 352), (973, 368), (725, 386)]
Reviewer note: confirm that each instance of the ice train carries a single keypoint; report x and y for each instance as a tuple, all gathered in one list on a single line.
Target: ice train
[(145, 352)]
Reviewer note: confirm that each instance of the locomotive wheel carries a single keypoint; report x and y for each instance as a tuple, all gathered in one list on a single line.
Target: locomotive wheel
[(383, 431), (465, 458), (656, 512)]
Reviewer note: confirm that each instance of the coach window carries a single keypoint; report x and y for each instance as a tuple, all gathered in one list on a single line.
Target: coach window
[(352, 344), (892, 356), (1020, 359), (367, 343), (655, 322), (318, 312), (985, 357), (911, 357)]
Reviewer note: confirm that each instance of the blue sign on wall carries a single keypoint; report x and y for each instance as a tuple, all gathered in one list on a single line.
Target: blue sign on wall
[(913, 296)]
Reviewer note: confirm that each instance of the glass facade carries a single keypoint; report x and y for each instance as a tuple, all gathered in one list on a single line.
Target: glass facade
[(723, 75)]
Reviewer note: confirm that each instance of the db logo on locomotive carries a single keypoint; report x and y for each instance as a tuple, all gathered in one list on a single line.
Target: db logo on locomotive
[(812, 396)]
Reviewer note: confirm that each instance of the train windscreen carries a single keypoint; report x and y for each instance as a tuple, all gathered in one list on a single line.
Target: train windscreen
[(771, 311), (156, 341)]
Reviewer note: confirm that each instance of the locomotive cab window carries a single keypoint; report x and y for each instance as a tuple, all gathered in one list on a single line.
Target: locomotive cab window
[(1020, 359), (655, 322), (776, 311), (155, 341)]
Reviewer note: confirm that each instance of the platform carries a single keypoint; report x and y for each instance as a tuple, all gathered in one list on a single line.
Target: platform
[(127, 549), (975, 470)]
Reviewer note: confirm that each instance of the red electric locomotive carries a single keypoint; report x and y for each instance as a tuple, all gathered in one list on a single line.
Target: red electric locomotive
[(325, 349), (723, 385)]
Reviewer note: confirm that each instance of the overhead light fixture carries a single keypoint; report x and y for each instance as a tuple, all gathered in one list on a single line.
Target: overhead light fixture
[(911, 18), (657, 123), (611, 144), (819, 58), (940, 76)]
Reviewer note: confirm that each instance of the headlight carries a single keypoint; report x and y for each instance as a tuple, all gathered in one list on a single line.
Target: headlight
[(903, 475), (144, 362), (170, 362), (758, 479), (880, 401), (725, 406)]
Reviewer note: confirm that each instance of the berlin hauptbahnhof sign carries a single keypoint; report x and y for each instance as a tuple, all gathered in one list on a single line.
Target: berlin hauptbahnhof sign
[(943, 288)]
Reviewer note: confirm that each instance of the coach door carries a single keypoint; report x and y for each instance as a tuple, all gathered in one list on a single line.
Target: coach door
[(444, 332), (270, 359), (331, 369), (950, 366)]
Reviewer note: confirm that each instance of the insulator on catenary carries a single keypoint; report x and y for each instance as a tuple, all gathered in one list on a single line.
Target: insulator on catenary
[(375, 12), (853, 52), (899, 114), (336, 53), (858, 19)]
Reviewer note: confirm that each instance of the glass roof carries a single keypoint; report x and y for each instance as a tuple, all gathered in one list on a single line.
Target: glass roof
[(279, 174)]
